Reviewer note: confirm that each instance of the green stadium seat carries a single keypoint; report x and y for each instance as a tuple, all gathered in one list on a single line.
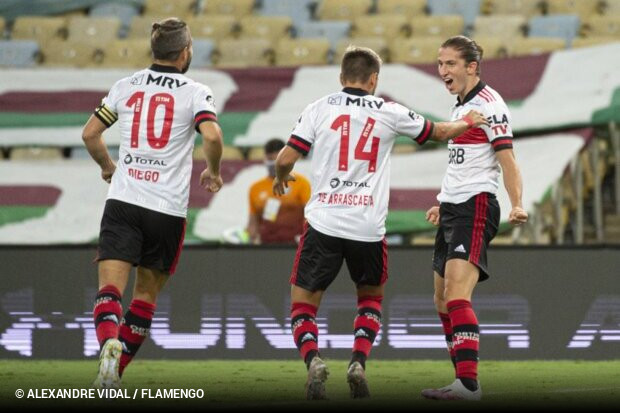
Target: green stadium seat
[(238, 53), (582, 8), (536, 45), (178, 8), (416, 50), (97, 31), (237, 8), (601, 26), (41, 29), (442, 26), (298, 52), (468, 9), (378, 44), (266, 27), (387, 26), (502, 26), (526, 8), (216, 27), (66, 53)]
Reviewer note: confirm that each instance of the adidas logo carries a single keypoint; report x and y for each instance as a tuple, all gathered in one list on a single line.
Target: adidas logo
[(460, 248), (361, 333), (308, 336)]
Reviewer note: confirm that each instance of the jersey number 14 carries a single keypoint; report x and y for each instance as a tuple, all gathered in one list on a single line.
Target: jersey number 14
[(343, 123)]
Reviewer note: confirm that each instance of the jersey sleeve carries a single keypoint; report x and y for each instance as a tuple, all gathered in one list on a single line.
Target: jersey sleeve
[(107, 112), (499, 131), (203, 106), (411, 124), (303, 134)]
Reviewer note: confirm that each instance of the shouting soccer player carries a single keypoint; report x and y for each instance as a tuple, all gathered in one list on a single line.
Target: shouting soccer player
[(143, 222), (468, 214), (352, 133)]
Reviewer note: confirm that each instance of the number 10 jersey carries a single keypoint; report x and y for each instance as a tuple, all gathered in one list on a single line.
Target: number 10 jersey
[(351, 134), (158, 110)]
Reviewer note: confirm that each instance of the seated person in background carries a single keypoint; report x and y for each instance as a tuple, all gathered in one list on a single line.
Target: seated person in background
[(276, 220)]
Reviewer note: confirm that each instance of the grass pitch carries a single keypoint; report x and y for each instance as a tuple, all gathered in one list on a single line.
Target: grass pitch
[(279, 385)]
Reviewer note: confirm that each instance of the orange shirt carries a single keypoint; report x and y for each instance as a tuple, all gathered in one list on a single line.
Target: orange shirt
[(280, 218)]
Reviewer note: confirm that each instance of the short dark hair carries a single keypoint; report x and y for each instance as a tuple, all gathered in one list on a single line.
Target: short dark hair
[(358, 63), (468, 48), (274, 145), (168, 38)]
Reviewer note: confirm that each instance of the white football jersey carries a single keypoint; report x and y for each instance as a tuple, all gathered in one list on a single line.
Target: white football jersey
[(351, 134), (159, 110), (472, 165)]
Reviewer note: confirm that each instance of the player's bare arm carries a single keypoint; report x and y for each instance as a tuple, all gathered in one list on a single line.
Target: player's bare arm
[(513, 184), (284, 165), (432, 215), (212, 146), (444, 131), (92, 135)]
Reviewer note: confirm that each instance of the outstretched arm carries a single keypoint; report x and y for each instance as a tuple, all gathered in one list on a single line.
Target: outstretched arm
[(513, 184), (444, 131)]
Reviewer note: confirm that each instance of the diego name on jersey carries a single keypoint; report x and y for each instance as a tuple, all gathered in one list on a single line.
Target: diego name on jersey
[(472, 165)]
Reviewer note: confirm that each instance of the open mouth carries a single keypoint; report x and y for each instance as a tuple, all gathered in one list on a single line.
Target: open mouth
[(448, 82)]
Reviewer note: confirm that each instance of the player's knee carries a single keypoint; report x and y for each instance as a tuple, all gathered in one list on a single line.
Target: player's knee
[(439, 300)]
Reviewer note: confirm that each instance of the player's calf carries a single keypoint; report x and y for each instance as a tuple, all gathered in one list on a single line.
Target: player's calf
[(134, 329), (107, 313)]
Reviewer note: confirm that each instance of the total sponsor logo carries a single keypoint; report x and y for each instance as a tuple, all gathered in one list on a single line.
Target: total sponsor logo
[(335, 183), (143, 161)]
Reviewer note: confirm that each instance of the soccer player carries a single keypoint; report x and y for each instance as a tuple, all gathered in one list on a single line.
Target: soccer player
[(143, 221), (352, 133), (468, 214)]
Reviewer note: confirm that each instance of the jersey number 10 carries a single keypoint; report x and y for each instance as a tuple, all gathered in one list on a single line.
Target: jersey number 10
[(343, 122), (159, 99)]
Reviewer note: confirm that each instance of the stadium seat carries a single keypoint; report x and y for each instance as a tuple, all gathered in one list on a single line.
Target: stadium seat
[(559, 25), (378, 44), (269, 27), (134, 53), (41, 29), (407, 8), (141, 27), (125, 12), (179, 8), (444, 26), (494, 47), (416, 50), (342, 9), (203, 49), (68, 54), (468, 9), (536, 45), (299, 11), (297, 52), (80, 152), (18, 53), (256, 153), (2, 27), (602, 26), (98, 31), (237, 8), (526, 8), (582, 8), (504, 27), (35, 154), (332, 30), (214, 27), (243, 53), (608, 7), (593, 41), (380, 25), (229, 153)]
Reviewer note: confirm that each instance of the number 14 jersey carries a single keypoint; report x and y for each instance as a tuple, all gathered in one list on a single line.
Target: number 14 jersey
[(352, 133), (158, 110)]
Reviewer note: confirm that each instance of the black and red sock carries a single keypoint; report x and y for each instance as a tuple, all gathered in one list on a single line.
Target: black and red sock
[(447, 330), (466, 341), (107, 313), (134, 329), (365, 327), (305, 331)]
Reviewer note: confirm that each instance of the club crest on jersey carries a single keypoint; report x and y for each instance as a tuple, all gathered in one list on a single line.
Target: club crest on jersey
[(164, 81), (334, 100)]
